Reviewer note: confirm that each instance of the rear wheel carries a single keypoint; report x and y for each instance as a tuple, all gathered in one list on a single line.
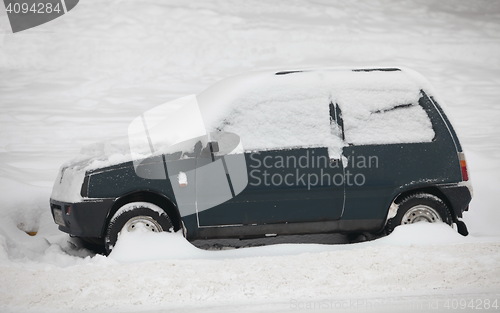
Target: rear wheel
[(136, 216), (420, 207)]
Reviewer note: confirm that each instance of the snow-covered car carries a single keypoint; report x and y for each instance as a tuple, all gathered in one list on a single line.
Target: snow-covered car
[(276, 153)]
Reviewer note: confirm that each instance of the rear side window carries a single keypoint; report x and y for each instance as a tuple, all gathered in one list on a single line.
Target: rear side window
[(384, 117)]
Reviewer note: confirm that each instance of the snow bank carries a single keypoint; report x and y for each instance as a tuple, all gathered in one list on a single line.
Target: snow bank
[(139, 247), (424, 234), (166, 271), (147, 246)]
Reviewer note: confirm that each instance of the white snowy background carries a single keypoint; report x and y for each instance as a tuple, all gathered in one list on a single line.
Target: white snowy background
[(83, 77)]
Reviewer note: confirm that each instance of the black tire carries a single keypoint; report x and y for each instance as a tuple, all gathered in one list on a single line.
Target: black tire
[(150, 215), (420, 207)]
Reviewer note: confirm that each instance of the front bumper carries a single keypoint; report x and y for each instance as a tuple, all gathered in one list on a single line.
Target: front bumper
[(82, 219)]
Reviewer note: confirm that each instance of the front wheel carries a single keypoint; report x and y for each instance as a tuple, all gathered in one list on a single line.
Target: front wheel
[(136, 216), (420, 207)]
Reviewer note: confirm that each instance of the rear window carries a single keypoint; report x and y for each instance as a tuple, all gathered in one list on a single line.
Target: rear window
[(384, 117)]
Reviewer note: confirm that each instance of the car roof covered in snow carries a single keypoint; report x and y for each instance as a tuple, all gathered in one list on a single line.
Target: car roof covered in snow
[(389, 85), (263, 105), (335, 78)]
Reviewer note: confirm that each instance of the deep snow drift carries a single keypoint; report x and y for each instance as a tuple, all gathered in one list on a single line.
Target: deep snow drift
[(82, 78)]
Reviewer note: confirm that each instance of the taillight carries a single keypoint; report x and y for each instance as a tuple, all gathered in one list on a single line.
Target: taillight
[(67, 209), (463, 166)]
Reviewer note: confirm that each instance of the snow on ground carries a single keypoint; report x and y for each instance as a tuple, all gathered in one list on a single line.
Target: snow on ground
[(83, 77), (285, 276)]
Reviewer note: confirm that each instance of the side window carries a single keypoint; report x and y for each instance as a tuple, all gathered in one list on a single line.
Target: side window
[(283, 117), (384, 117), (336, 121)]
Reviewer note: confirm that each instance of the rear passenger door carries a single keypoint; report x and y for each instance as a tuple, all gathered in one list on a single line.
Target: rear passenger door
[(391, 144)]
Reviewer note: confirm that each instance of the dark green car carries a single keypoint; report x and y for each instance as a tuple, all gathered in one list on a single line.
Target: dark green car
[(269, 154)]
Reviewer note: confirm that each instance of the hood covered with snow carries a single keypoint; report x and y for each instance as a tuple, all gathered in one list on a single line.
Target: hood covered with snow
[(68, 183)]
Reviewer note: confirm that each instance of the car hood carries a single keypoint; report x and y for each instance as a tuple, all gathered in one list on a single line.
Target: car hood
[(94, 157)]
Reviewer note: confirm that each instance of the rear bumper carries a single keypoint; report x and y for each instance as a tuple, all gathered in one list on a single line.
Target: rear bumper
[(81, 219), (459, 197)]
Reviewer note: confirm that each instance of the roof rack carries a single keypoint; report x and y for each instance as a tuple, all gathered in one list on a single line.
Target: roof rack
[(390, 69), (287, 72)]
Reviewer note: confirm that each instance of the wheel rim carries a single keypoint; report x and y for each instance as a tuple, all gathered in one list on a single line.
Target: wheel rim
[(421, 213), (145, 223)]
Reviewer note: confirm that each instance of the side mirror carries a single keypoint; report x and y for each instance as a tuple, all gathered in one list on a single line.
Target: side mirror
[(214, 146)]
